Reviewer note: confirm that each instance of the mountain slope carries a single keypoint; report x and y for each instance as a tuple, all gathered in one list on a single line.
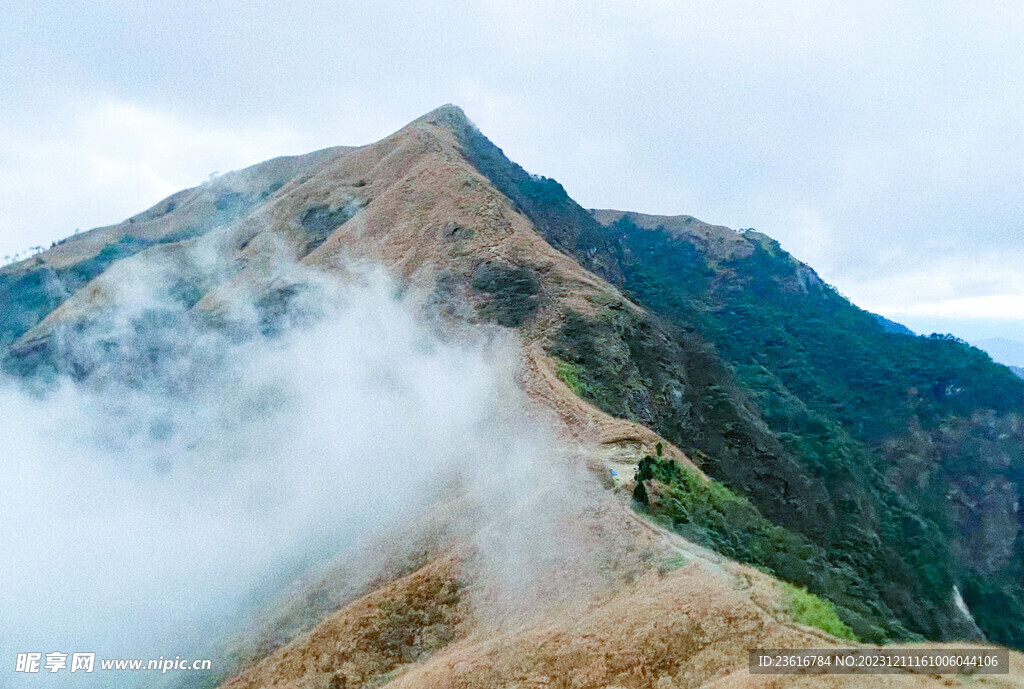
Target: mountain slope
[(33, 289), (878, 470), (823, 409), (917, 440)]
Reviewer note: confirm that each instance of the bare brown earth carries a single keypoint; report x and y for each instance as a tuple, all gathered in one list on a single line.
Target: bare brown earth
[(625, 605)]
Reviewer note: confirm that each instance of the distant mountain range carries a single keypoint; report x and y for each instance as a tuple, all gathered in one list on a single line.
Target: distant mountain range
[(766, 417)]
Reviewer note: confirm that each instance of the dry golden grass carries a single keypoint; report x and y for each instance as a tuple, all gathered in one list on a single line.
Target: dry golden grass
[(394, 626)]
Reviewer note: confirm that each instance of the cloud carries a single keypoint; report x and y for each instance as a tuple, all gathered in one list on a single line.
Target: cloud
[(193, 471), (111, 159), (1008, 307)]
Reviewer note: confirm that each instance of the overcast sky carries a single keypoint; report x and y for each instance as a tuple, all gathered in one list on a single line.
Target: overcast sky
[(883, 143)]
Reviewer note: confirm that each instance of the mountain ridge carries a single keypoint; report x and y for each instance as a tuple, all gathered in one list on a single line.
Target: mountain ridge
[(633, 332)]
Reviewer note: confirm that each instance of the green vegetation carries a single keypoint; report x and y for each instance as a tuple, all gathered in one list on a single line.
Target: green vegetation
[(27, 298), (708, 513), (821, 508), (672, 563), (513, 293), (569, 373), (846, 440), (556, 216), (885, 426), (808, 609), (837, 359)]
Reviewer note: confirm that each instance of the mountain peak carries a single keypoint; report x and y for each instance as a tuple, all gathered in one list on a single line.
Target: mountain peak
[(449, 116)]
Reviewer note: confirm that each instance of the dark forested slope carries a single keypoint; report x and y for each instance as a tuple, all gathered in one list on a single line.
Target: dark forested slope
[(888, 468)]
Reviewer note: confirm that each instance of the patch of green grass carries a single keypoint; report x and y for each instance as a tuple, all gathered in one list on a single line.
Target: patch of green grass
[(569, 373), (672, 563), (806, 608), (712, 515)]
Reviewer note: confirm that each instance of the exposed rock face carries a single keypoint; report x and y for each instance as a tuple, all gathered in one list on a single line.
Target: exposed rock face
[(988, 522)]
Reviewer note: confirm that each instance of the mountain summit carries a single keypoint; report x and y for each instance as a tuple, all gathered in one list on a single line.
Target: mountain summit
[(448, 115), (770, 466)]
